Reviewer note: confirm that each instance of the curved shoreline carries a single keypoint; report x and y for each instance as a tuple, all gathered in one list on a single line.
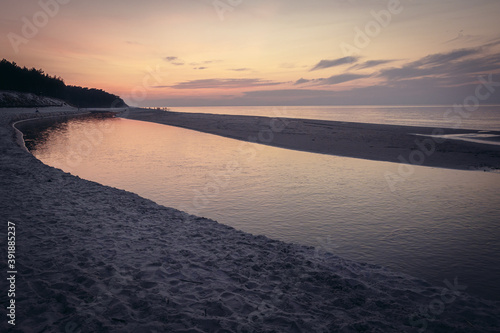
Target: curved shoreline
[(20, 135), (388, 143), (96, 258)]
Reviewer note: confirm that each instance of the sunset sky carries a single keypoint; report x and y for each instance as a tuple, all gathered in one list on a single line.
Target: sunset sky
[(260, 52)]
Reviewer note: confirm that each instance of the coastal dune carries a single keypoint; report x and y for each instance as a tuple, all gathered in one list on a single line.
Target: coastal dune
[(92, 258), (390, 143)]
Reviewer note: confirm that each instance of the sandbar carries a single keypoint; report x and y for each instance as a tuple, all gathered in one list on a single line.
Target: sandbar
[(390, 143)]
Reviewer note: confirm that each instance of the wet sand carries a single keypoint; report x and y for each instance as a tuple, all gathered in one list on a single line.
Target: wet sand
[(390, 143)]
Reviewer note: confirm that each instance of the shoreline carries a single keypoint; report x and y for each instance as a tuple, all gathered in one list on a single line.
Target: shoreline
[(95, 258), (20, 134), (388, 143)]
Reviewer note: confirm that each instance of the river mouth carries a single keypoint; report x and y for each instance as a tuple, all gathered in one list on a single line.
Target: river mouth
[(430, 228)]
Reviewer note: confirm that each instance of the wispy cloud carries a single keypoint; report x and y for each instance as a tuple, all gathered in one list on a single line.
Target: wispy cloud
[(424, 91), (455, 64), (206, 62), (443, 58), (332, 63), (222, 83), (332, 80), (174, 61), (371, 63), (336, 79), (462, 37), (484, 64), (298, 93), (492, 42), (301, 81), (240, 69)]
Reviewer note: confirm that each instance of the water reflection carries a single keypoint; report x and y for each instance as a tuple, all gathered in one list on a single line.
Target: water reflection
[(440, 224)]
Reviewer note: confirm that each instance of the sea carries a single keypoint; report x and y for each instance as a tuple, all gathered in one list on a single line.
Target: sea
[(438, 224), (453, 116)]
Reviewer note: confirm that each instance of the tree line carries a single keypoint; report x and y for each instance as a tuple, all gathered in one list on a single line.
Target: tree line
[(13, 77)]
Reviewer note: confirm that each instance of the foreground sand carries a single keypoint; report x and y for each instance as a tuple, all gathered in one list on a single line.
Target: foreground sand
[(91, 258), (389, 143)]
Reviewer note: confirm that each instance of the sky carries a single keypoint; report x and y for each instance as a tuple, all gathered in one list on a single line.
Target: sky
[(262, 52)]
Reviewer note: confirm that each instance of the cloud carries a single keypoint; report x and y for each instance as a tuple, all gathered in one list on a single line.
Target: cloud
[(455, 64), (405, 72), (199, 68), (371, 63), (462, 38), (206, 62), (298, 93), (332, 63), (301, 81), (485, 64), (239, 69), (174, 61), (332, 80), (223, 84), (336, 79), (443, 58), (493, 42), (286, 97), (424, 91)]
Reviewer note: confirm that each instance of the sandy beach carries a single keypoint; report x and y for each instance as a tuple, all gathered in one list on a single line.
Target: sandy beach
[(390, 143), (91, 258)]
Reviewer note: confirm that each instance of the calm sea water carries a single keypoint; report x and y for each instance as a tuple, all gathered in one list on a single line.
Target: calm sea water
[(438, 224), (484, 118)]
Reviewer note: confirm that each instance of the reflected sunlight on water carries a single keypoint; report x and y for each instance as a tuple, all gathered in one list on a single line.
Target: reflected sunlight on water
[(438, 225)]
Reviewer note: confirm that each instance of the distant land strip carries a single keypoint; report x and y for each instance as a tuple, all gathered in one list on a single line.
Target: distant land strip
[(389, 143)]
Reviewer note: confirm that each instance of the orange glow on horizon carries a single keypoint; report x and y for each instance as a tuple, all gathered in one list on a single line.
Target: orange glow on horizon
[(271, 46)]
